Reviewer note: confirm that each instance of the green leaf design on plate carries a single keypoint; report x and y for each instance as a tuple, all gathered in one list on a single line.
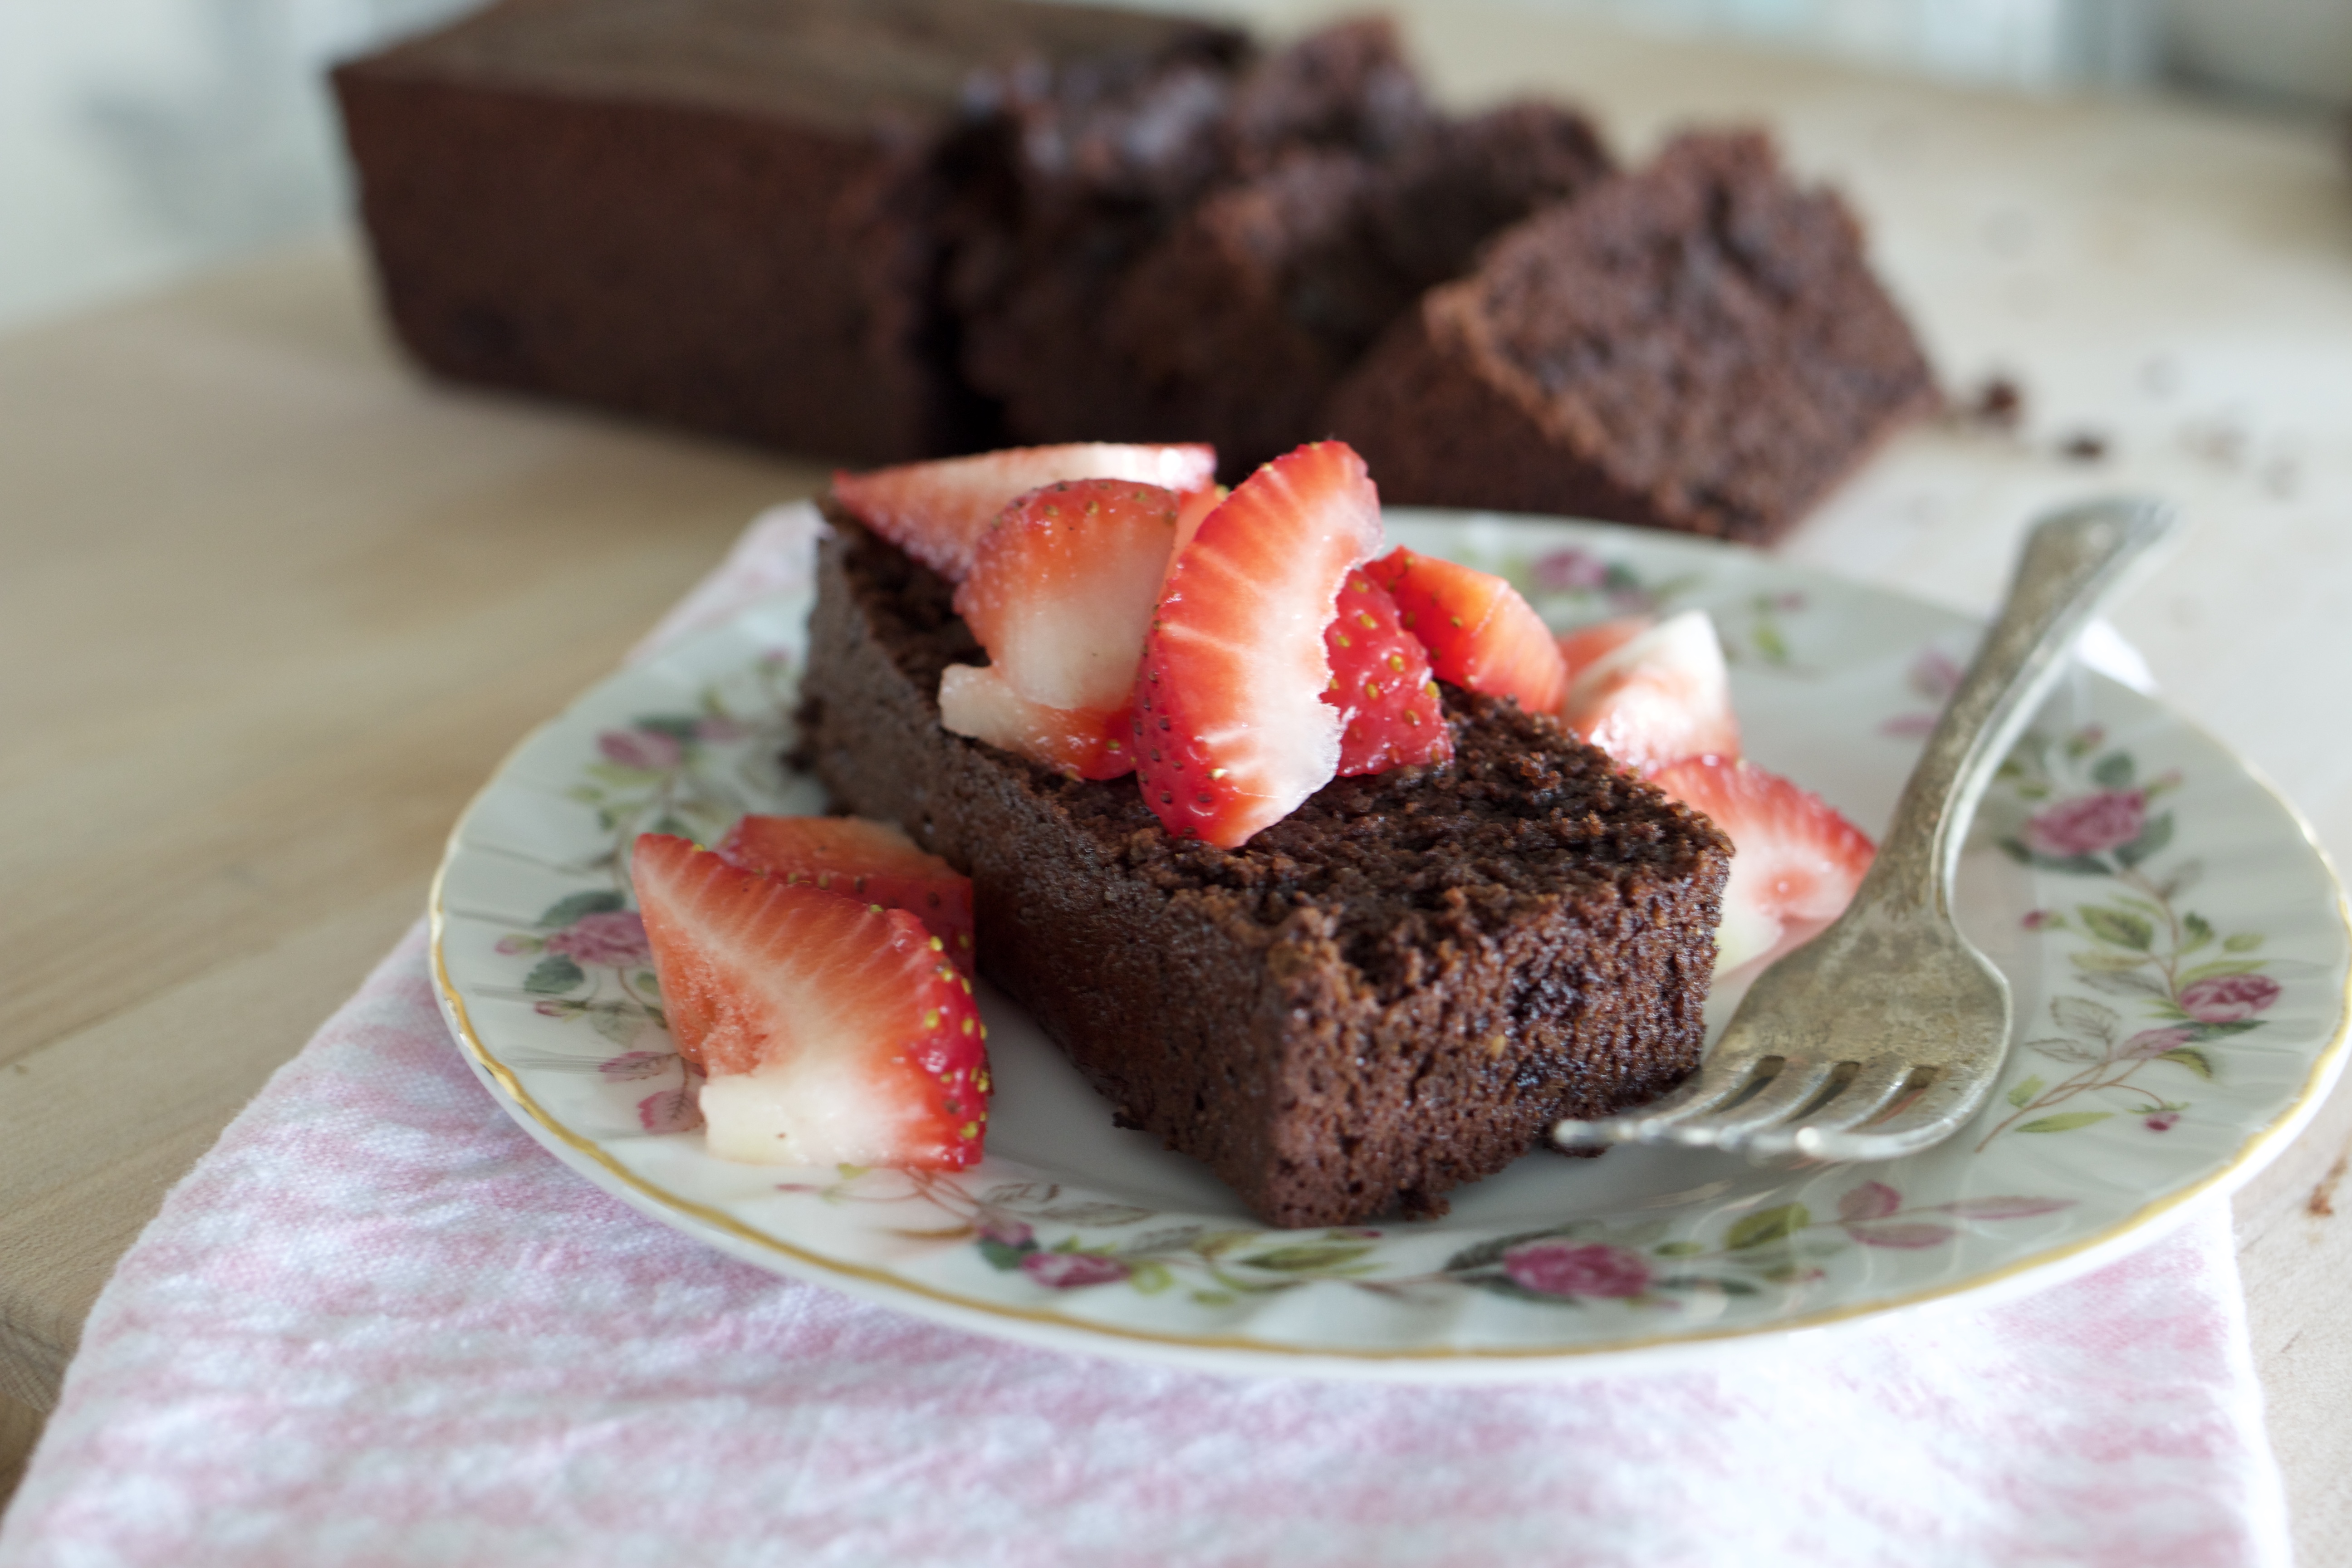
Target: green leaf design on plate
[(2192, 1058), (2152, 839), (1706, 1282), (1767, 1225), (553, 975), (2098, 961), (573, 905), (2221, 966), (1002, 1255), (2024, 1092), (1306, 1257), (2085, 1017), (2115, 771), (2074, 865), (2066, 1122), (2195, 930), (2244, 941), (1504, 1285), (618, 1025), (2116, 926)]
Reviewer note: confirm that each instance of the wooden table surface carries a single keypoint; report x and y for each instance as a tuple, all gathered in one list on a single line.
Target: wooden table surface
[(271, 607)]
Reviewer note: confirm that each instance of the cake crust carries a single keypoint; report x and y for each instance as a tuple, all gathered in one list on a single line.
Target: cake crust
[(1391, 993)]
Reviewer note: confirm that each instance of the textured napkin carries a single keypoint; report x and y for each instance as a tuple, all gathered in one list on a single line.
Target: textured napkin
[(377, 1325)]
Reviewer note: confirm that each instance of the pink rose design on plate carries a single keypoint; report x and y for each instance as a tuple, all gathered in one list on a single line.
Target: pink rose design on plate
[(1570, 571), (615, 938), (2228, 998), (1557, 1268), (650, 750), (2163, 1121), (2154, 1043), (2088, 824), (1072, 1271), (1010, 1232)]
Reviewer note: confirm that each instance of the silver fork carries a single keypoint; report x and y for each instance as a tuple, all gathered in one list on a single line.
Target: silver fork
[(1883, 1034)]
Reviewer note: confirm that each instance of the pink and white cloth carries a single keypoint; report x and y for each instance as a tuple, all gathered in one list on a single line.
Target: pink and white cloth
[(378, 1326)]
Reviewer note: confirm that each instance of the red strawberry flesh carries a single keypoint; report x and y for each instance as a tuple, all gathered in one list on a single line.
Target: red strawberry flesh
[(833, 1031), (1062, 589), (1481, 633), (1381, 683), (1232, 730), (1795, 861), (870, 861), (938, 512)]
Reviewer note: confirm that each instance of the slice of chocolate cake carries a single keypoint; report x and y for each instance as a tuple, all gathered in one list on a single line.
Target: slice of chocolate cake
[(1237, 325), (1394, 991), (1699, 345), (1092, 173), (728, 214)]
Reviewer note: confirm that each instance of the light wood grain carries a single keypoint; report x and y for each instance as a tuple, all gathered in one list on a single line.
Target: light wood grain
[(270, 607)]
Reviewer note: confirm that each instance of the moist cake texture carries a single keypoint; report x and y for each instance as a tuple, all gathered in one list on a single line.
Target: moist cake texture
[(1394, 991), (1698, 345)]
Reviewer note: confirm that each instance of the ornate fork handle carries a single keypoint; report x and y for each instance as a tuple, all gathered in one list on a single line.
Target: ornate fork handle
[(2072, 561)]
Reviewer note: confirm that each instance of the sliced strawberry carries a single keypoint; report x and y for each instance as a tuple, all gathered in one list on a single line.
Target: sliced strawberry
[(1195, 511), (835, 1032), (937, 512), (1087, 744), (1381, 683), (1585, 646), (870, 861), (1795, 861), (1479, 632), (1062, 589), (1659, 697), (1231, 724)]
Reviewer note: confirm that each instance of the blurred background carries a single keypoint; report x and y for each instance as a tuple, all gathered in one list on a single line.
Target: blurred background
[(143, 138)]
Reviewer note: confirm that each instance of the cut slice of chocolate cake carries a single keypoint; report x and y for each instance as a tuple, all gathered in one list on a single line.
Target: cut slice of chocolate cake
[(1239, 322), (1090, 173), (1391, 992), (1699, 345), (726, 213)]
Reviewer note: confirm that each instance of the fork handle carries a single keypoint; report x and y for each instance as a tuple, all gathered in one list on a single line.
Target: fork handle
[(2074, 560)]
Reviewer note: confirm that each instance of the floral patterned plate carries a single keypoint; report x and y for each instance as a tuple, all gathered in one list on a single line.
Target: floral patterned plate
[(2176, 942)]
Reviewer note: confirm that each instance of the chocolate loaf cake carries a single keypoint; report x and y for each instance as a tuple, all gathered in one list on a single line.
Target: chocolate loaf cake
[(732, 215), (1699, 345), (875, 230), (1394, 991)]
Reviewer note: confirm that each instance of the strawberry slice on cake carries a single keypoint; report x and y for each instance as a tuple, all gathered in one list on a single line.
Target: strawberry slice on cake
[(939, 511), (1381, 683), (1795, 861), (870, 861), (1060, 593), (1231, 732), (833, 1031), (1481, 633)]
